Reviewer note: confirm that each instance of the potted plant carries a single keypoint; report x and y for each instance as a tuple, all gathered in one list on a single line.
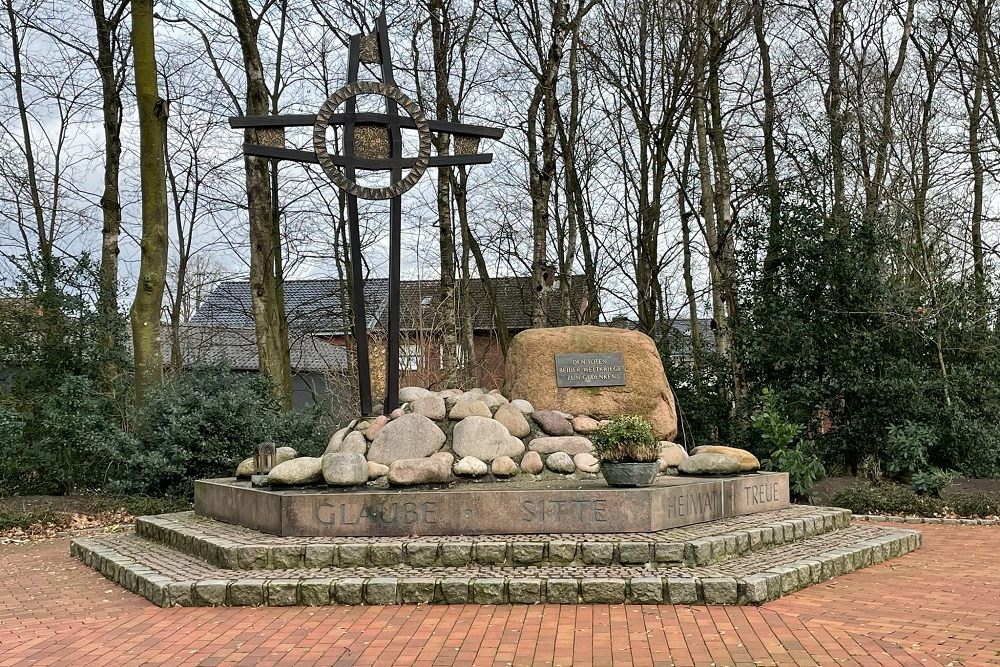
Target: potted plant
[(628, 450)]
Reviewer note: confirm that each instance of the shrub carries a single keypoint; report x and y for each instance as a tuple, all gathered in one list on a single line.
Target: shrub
[(626, 439), (975, 504), (931, 482), (202, 423), (887, 499), (906, 449), (800, 461)]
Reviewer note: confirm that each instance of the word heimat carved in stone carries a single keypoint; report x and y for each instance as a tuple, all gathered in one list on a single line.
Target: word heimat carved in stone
[(598, 369)]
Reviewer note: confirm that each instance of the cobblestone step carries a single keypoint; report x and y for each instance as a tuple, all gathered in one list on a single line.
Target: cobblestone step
[(237, 548), (169, 577)]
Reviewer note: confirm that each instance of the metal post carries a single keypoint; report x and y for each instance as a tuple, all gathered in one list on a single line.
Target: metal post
[(357, 276)]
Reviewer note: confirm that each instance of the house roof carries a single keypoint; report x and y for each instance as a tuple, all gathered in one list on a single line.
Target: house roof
[(238, 349), (319, 306), (682, 326)]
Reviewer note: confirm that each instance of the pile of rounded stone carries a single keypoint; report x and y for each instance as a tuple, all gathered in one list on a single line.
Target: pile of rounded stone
[(438, 437)]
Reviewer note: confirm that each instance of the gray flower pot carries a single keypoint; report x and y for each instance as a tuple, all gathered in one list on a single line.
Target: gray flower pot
[(630, 474)]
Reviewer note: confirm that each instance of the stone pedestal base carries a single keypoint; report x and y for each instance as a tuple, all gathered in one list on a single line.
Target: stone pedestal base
[(528, 507)]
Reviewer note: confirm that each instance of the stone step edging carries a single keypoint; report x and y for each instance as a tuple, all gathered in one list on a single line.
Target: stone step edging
[(890, 518), (751, 589), (428, 551)]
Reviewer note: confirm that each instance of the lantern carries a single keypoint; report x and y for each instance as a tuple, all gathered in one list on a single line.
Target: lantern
[(265, 457)]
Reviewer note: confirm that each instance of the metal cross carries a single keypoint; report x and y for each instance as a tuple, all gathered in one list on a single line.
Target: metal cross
[(371, 142)]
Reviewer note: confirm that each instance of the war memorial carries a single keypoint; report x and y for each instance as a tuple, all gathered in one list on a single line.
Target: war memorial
[(565, 487)]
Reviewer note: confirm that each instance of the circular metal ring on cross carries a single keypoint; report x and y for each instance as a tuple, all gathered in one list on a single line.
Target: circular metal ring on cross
[(338, 177)]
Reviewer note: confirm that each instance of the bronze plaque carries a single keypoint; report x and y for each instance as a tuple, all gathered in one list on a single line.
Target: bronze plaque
[(590, 369)]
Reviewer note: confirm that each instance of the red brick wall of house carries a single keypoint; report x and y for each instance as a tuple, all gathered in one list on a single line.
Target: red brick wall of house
[(489, 362)]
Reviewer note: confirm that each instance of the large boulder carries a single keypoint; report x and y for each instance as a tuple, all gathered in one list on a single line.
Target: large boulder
[(531, 374), (484, 438), (431, 407), (470, 408), (408, 394), (248, 466), (301, 470), (709, 464), (354, 443), (748, 462), (408, 437), (344, 469), (571, 444), (671, 455), (514, 420), (432, 470), (552, 423)]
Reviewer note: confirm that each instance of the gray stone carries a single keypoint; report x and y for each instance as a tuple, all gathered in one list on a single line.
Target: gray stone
[(455, 590), (455, 554), (352, 555), (514, 420), (753, 589), (314, 592), (585, 425), (433, 470), (209, 593), (671, 454), (376, 427), (282, 592), (523, 406), (531, 463), (560, 462), (598, 553), (603, 590), (488, 591), (345, 469), (431, 407), (669, 552), (633, 553), (416, 590), (421, 554), (470, 466), (645, 590), (246, 593), (572, 444), (719, 590), (464, 409), (349, 591), (302, 470), (337, 439), (376, 470), (682, 590), (527, 552), (320, 555), (287, 556), (409, 437), (398, 412), (585, 462), (709, 464), (524, 591), (386, 553), (552, 423), (504, 467), (410, 394), (251, 557), (485, 438), (362, 425), (491, 400), (491, 553), (354, 443), (562, 591), (562, 552), (381, 590)]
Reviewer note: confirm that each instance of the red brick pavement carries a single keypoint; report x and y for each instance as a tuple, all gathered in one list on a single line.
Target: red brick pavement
[(937, 606)]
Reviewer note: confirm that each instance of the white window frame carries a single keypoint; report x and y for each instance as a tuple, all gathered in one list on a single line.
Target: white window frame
[(410, 356)]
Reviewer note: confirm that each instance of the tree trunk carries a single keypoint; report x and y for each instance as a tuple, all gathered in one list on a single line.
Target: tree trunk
[(773, 253), (265, 290), (145, 313), (442, 43), (111, 208), (834, 99)]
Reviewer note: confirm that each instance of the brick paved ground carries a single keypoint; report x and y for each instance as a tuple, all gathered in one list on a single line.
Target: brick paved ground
[(939, 605)]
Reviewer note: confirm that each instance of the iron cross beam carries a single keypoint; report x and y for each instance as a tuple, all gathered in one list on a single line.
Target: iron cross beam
[(370, 142)]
